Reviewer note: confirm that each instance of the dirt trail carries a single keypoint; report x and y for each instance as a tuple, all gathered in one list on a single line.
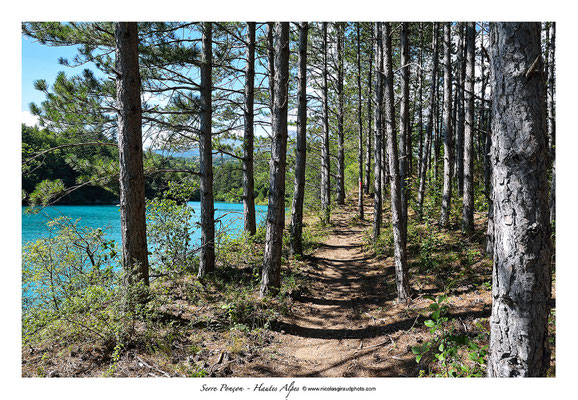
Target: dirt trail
[(348, 323)]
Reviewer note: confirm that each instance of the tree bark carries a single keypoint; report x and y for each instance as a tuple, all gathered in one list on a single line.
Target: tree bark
[(420, 98), (552, 115), (439, 127), (429, 124), (460, 126), (325, 161), (369, 136), (552, 89), (483, 119), (340, 115), (248, 138), (404, 124), (207, 258), (447, 129), (399, 236), (300, 145), (130, 150), (360, 126), (468, 163), (271, 277), (271, 63), (377, 146), (521, 275)]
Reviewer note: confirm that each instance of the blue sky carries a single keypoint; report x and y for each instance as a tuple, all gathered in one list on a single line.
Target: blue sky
[(41, 62)]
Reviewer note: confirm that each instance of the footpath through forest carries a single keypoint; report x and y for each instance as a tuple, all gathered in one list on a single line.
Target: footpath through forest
[(348, 324)]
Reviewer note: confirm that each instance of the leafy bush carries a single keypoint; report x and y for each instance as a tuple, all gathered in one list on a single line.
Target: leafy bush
[(445, 346), (70, 286), (169, 230)]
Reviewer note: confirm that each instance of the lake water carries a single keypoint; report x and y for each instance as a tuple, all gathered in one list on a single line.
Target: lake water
[(229, 215)]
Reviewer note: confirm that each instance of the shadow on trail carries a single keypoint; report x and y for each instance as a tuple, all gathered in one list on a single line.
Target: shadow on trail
[(347, 303), (368, 332)]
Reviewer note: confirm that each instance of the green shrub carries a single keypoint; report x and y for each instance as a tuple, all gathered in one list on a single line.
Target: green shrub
[(71, 286), (169, 229), (444, 346)]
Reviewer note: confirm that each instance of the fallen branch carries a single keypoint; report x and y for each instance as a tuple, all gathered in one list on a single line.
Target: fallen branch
[(152, 367), (219, 360)]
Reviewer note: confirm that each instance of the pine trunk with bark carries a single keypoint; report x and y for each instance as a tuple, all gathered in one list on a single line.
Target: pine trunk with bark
[(377, 145), (420, 99), (398, 226), (521, 279), (340, 115), (468, 163), (325, 161), (404, 124), (461, 112), (369, 137), (248, 138), (130, 151), (271, 63), (484, 118), (447, 128), (207, 258), (360, 127), (300, 145), (552, 115), (429, 124), (271, 277)]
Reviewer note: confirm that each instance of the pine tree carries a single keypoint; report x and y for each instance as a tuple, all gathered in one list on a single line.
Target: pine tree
[(132, 189), (271, 277), (521, 279)]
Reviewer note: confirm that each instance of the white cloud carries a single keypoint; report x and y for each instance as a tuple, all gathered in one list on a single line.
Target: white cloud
[(28, 118)]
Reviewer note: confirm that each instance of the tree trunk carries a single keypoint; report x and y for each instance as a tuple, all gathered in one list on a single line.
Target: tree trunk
[(340, 132), (429, 124), (489, 251), (271, 277), (384, 160), (420, 98), (377, 146), (484, 120), (360, 126), (552, 89), (207, 259), (460, 126), (300, 145), (552, 116), (404, 124), (439, 127), (271, 63), (130, 151), (521, 275), (553, 194), (369, 137), (399, 236), (447, 129), (325, 161), (468, 164), (248, 178), (490, 229)]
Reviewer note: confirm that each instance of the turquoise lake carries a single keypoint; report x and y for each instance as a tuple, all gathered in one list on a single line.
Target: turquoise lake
[(229, 218)]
